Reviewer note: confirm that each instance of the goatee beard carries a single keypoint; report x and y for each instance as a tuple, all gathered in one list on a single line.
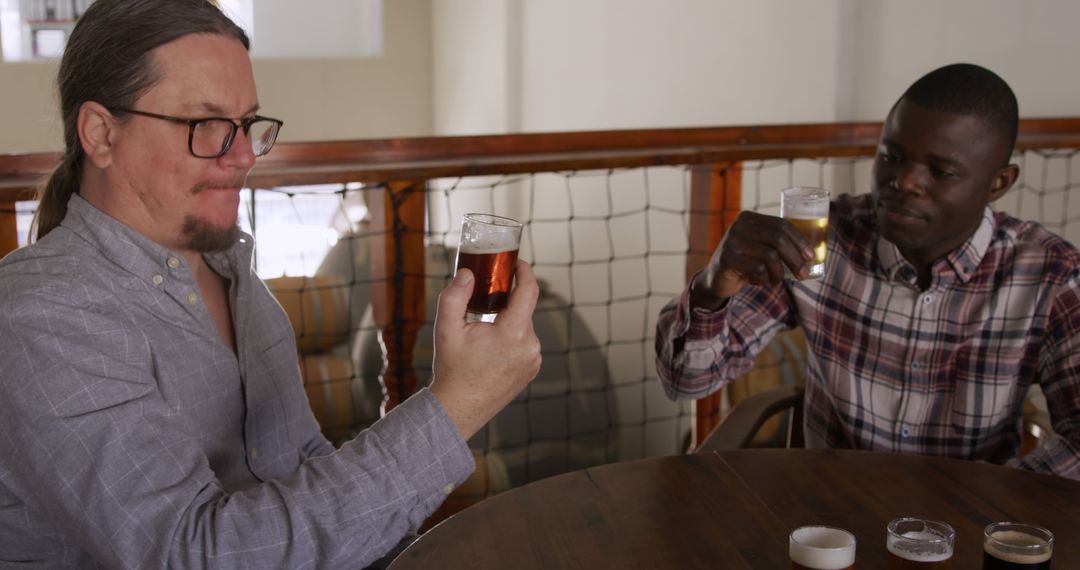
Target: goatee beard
[(201, 237)]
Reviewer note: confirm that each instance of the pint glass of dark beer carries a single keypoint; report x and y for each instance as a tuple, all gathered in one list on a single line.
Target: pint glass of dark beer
[(807, 209), (1016, 546), (919, 544), (821, 548), (489, 248)]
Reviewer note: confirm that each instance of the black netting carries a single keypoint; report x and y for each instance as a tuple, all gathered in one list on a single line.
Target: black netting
[(610, 249)]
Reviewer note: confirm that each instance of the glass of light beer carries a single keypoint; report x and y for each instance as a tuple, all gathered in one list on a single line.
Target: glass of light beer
[(489, 248), (1016, 546), (807, 209), (919, 544), (821, 548)]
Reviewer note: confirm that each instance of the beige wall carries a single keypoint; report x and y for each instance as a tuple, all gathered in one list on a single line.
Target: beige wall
[(1033, 45), (28, 113), (482, 66), (615, 64), (610, 64), (318, 99), (379, 97), (475, 65)]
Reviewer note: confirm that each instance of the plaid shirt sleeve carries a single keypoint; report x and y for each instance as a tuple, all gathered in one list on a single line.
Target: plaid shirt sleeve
[(1059, 377), (699, 351)]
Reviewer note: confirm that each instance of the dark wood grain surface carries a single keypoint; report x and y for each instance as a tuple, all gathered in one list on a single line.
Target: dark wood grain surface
[(735, 510)]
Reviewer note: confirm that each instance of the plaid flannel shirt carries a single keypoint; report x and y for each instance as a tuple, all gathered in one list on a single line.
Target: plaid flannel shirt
[(894, 368)]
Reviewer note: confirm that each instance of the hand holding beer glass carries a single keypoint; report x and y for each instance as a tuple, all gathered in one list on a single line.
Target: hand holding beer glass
[(807, 209), (1017, 546), (489, 248), (821, 548), (916, 544)]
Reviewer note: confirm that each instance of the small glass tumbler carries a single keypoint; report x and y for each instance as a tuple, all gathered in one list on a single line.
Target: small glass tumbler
[(489, 248), (821, 548), (915, 543), (1013, 545), (807, 209)]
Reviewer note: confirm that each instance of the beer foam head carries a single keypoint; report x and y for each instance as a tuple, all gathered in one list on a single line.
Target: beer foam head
[(922, 547), (822, 547), (485, 233), (487, 247), (804, 203), (1010, 546)]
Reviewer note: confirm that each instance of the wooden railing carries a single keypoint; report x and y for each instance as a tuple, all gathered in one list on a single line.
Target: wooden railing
[(714, 155)]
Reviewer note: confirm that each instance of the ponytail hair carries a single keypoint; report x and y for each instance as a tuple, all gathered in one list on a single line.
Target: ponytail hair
[(53, 196), (109, 59)]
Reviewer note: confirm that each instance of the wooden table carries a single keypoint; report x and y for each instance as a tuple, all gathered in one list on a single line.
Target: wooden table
[(735, 510)]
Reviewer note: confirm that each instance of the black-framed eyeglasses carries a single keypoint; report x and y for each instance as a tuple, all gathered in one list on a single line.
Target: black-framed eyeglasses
[(211, 137)]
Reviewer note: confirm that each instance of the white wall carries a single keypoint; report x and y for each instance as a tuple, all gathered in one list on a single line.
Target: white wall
[(487, 66), (333, 28), (603, 64), (616, 64), (476, 66), (1032, 45)]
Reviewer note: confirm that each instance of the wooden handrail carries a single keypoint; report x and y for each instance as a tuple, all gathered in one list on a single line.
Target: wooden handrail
[(386, 160), (715, 153)]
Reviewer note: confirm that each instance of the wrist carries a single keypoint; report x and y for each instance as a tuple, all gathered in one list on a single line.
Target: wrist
[(702, 296)]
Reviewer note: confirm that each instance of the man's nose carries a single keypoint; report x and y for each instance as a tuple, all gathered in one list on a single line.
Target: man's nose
[(240, 153), (911, 178)]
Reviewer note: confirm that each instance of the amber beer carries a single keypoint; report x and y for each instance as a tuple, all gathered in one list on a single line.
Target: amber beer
[(1017, 546), (821, 548), (494, 273), (919, 544), (807, 209), (489, 248)]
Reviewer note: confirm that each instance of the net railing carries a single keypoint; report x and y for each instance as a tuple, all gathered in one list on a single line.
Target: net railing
[(610, 247)]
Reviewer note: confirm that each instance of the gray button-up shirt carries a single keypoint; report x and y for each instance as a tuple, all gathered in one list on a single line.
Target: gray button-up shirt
[(131, 436)]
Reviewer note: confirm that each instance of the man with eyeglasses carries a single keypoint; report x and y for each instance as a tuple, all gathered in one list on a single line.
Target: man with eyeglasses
[(151, 409)]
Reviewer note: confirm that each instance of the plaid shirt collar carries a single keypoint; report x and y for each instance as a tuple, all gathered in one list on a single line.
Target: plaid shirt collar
[(962, 262)]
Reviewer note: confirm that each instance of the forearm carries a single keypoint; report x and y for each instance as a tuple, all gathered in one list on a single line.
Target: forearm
[(1059, 457), (347, 508), (700, 350), (134, 505), (1059, 378)]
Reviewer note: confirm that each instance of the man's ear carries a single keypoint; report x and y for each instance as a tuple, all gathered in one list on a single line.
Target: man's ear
[(97, 127), (1003, 180)]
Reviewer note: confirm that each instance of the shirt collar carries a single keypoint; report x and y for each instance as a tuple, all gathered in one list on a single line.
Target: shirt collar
[(962, 261), (138, 254)]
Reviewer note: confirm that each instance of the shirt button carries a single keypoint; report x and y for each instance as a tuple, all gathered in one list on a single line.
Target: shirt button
[(158, 280), (915, 364), (905, 432), (449, 488), (173, 262), (254, 453), (192, 298), (927, 299)]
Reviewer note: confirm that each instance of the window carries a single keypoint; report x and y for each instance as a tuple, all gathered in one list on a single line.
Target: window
[(34, 29), (38, 29)]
